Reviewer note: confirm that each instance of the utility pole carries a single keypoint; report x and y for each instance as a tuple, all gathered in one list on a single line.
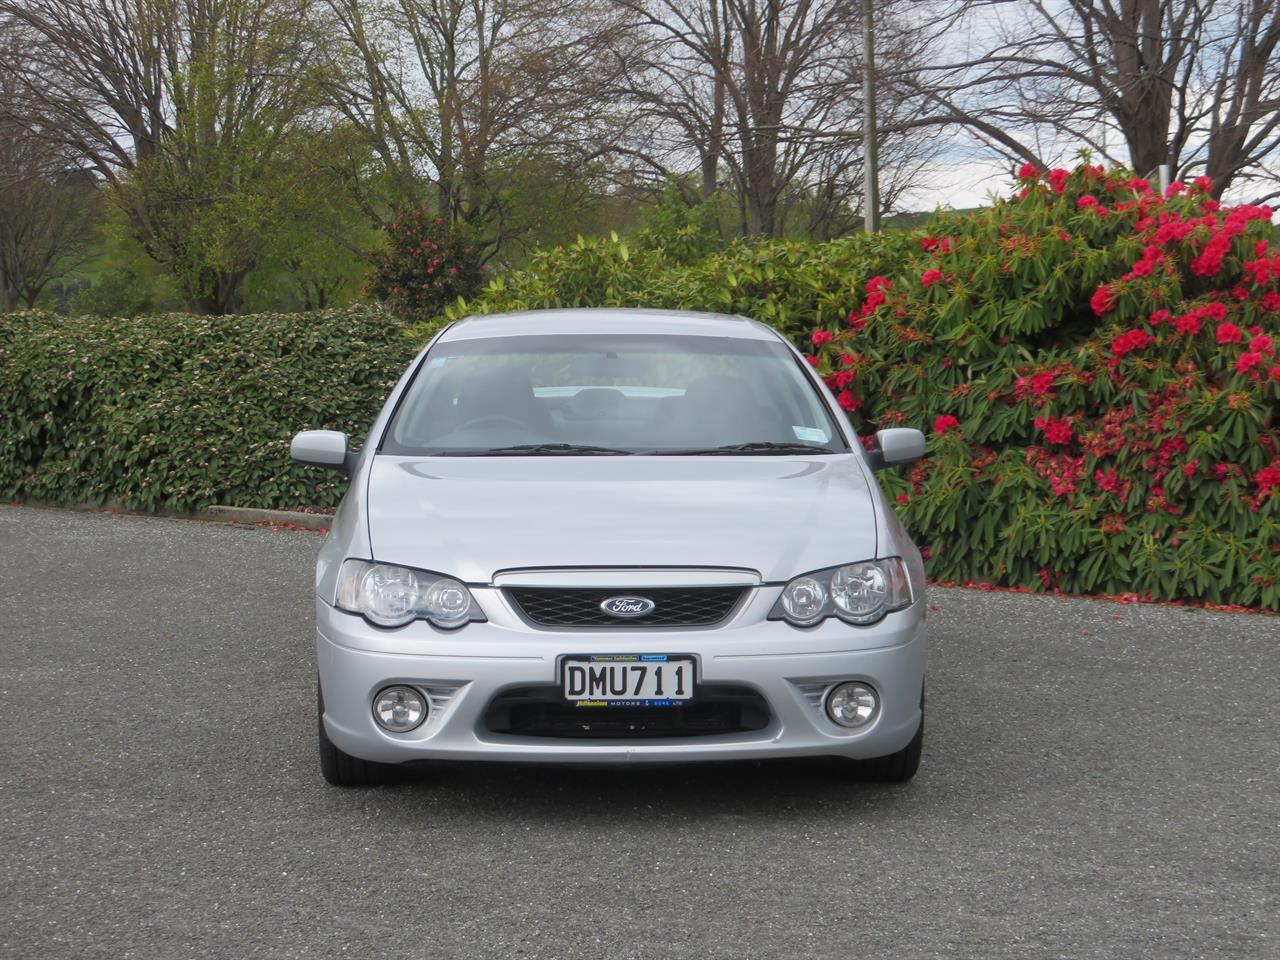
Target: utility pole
[(870, 149)]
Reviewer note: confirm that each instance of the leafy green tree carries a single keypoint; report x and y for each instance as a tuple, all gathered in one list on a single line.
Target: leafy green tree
[(311, 255), (185, 109), (119, 278)]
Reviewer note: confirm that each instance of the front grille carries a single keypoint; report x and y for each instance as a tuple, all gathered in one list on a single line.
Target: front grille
[(580, 607), (542, 712)]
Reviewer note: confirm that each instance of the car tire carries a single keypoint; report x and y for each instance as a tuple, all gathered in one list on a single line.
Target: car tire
[(343, 770), (895, 768)]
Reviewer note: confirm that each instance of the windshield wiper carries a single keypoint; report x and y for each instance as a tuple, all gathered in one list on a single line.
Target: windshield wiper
[(755, 446), (549, 449)]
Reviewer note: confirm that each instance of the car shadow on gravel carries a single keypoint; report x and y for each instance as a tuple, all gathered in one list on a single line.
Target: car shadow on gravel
[(600, 794)]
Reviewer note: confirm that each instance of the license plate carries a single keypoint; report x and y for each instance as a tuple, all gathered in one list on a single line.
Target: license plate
[(622, 680)]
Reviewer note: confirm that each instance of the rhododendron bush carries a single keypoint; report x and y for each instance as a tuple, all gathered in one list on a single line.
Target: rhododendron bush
[(423, 264), (1097, 366)]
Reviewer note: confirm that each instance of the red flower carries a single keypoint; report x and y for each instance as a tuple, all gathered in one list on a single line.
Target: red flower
[(1131, 340), (1057, 179), (928, 243), (945, 423), (1112, 523), (930, 277), (1103, 300), (1112, 482), (1086, 201), (1042, 383), (1261, 268), (1159, 317), (1271, 301), (1268, 480), (1028, 171), (1203, 184), (903, 498), (819, 337), (842, 378), (1209, 262), (1228, 333), (1246, 361), (848, 401), (1055, 431), (1261, 344), (1188, 324)]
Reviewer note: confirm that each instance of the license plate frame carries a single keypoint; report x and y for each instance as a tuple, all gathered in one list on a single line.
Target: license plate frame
[(682, 687)]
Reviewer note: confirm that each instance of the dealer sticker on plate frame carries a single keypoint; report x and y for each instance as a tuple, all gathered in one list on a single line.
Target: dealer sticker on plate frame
[(628, 680)]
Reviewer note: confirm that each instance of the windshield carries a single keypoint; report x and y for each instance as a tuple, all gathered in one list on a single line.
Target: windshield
[(611, 394)]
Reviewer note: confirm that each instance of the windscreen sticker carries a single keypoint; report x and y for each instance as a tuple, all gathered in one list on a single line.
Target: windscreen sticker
[(810, 434)]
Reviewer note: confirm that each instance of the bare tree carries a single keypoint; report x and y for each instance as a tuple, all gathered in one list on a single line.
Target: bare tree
[(770, 93), (46, 202), (1238, 104), (454, 95), (1191, 83), (46, 214)]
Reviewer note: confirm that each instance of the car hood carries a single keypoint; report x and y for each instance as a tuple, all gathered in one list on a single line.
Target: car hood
[(470, 517)]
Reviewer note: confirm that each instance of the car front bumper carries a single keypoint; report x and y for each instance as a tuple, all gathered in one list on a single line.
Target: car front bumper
[(463, 671)]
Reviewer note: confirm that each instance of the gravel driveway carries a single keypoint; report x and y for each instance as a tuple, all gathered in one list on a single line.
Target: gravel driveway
[(1099, 781)]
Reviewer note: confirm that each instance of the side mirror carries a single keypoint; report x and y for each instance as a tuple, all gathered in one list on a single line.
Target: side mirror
[(896, 446), (322, 448)]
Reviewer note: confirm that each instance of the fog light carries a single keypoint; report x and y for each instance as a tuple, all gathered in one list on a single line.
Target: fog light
[(399, 709), (852, 704)]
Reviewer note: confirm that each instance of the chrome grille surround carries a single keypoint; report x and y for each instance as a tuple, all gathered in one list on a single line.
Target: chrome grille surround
[(579, 607)]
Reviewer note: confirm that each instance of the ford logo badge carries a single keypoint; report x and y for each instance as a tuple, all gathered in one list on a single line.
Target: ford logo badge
[(627, 606)]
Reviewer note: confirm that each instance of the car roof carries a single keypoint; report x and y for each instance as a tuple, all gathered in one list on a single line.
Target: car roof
[(619, 320)]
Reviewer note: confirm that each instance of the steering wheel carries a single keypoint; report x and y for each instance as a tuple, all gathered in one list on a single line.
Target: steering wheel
[(492, 418)]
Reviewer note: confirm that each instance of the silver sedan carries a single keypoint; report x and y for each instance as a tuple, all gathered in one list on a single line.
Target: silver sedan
[(615, 536)]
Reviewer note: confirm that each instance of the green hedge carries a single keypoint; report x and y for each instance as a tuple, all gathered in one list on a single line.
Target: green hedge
[(182, 411), (790, 285)]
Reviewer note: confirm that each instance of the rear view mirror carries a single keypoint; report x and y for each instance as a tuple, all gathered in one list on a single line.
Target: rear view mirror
[(321, 448), (895, 446)]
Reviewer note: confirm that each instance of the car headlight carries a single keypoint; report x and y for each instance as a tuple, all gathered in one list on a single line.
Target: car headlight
[(391, 596), (858, 593)]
